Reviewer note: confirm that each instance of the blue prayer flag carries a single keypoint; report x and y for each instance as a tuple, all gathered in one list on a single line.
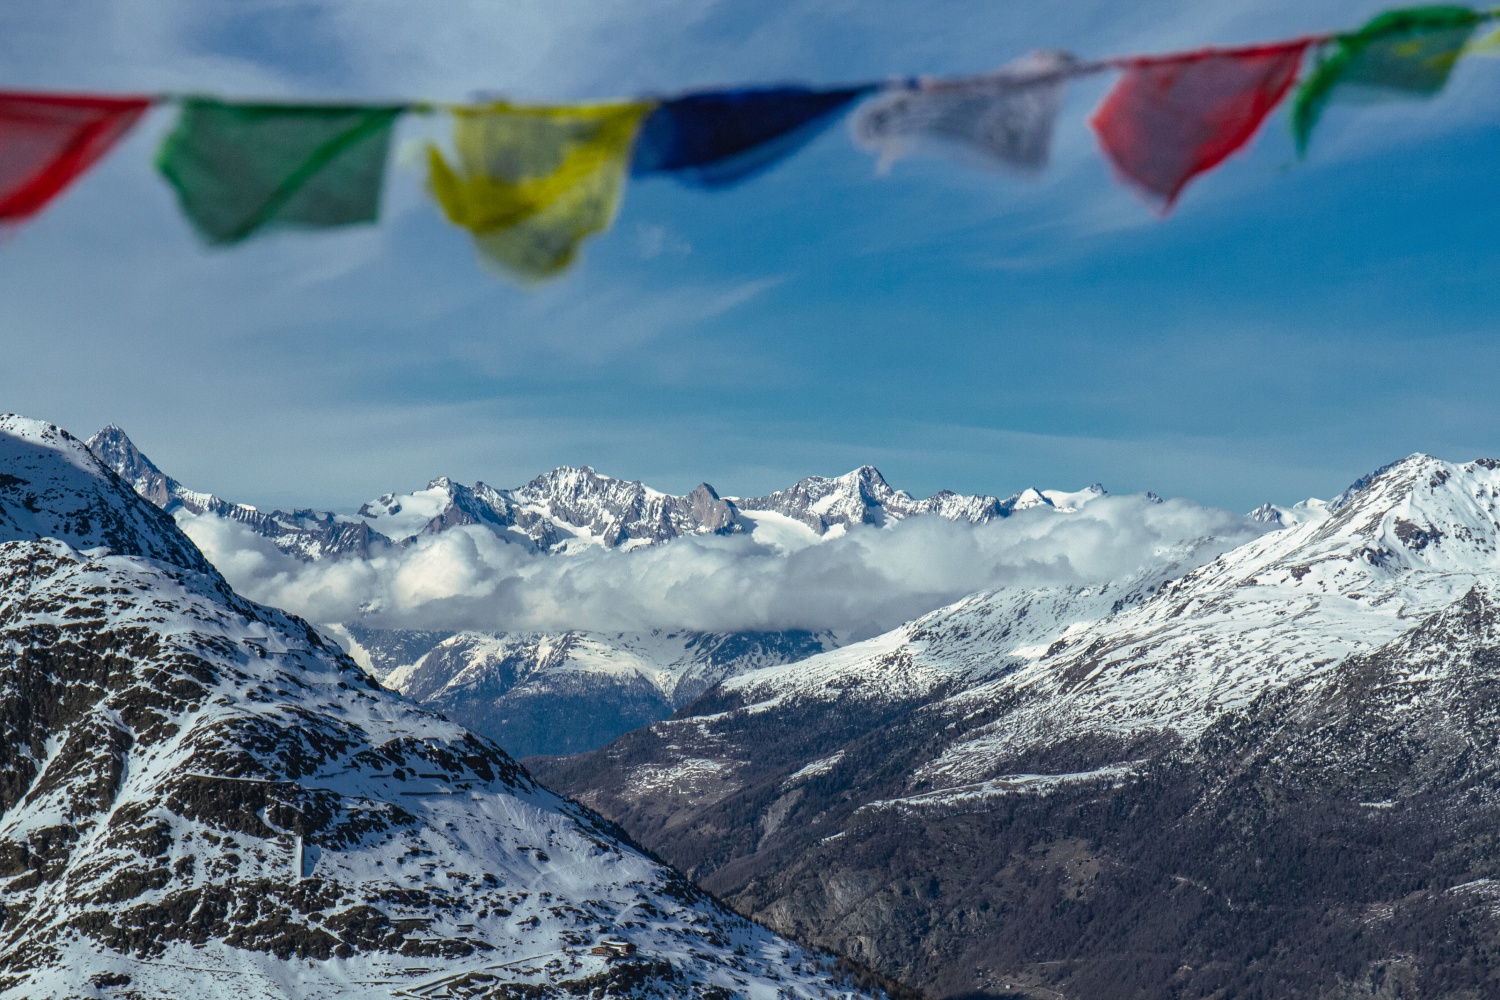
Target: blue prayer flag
[(717, 138)]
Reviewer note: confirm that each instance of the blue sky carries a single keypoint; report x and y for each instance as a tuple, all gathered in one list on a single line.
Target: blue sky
[(1290, 327)]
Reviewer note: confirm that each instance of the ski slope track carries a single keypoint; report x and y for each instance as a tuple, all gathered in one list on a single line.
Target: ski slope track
[(202, 797), (1272, 772)]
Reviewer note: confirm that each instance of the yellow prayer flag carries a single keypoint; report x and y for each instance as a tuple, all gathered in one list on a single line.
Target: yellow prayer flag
[(1489, 45), (533, 182)]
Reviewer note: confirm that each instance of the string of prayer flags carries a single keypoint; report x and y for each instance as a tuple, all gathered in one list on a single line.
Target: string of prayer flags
[(1402, 53), (718, 138), (48, 140), (1005, 118), (531, 183), (1171, 118), (241, 168)]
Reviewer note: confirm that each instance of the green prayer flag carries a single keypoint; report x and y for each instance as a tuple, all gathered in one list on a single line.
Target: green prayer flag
[(1407, 52), (239, 168)]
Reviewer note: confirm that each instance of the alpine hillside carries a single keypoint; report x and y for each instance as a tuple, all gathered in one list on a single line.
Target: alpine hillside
[(561, 693), (1273, 775), (201, 796)]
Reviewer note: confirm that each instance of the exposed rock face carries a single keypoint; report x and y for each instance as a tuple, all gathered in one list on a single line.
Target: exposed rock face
[(1275, 775), (201, 796), (567, 692), (117, 451)]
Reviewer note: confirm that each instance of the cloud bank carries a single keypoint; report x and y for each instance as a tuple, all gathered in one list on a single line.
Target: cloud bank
[(856, 584)]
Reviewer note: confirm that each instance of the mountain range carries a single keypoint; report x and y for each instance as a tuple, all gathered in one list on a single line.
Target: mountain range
[(1274, 774), (203, 796), (1262, 769), (567, 691), (568, 509)]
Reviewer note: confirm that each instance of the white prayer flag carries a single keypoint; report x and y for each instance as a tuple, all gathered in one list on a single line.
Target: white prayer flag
[(1004, 118)]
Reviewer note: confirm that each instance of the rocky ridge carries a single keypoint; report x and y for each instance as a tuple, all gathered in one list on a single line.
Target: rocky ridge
[(569, 508), (1273, 774), (199, 794)]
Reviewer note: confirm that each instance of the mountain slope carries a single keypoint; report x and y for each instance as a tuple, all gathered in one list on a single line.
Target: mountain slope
[(50, 487), (1273, 775), (201, 794)]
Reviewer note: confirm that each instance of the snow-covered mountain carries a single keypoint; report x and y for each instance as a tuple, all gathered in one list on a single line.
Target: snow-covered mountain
[(1277, 773), (307, 534), (200, 796), (567, 691), (568, 509), (539, 693)]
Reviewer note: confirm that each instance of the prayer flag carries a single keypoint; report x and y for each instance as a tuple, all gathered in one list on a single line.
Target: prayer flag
[(1171, 118), (48, 140), (533, 182), (1400, 53), (1004, 118), (239, 168), (1489, 45), (717, 138)]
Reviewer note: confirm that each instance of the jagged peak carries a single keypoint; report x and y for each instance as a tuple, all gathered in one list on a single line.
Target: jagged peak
[(572, 471), (1266, 513), (1420, 513), (110, 431), (866, 474), (1030, 497), (704, 490), (1410, 463), (573, 476), (1287, 517), (115, 448)]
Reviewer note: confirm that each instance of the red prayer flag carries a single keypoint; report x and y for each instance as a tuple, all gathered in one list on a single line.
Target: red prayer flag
[(1171, 118), (47, 140)]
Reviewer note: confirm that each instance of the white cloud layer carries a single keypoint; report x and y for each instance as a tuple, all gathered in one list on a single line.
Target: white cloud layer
[(857, 584)]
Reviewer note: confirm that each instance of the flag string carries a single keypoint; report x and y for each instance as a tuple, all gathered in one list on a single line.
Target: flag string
[(532, 182)]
